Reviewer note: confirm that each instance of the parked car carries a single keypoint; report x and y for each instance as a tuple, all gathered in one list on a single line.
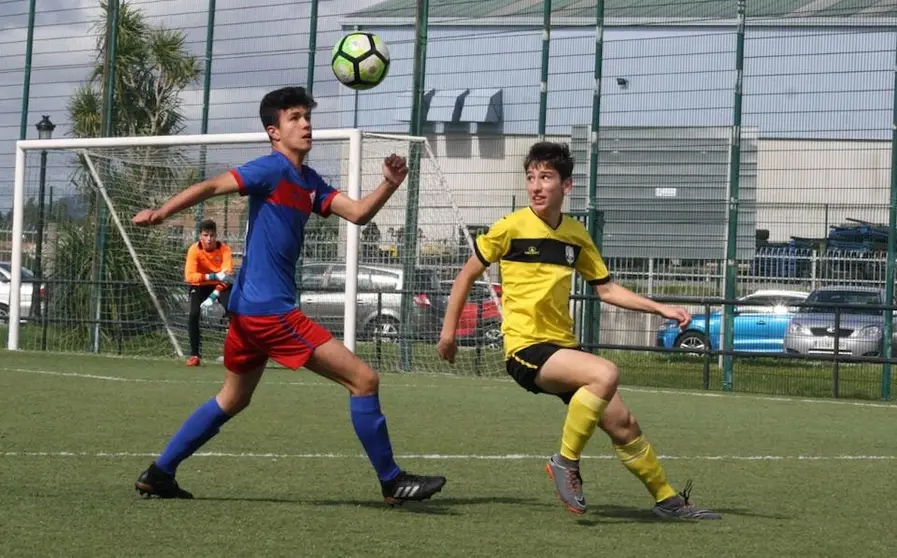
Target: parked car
[(812, 329), (759, 325), (489, 332), (323, 298), (26, 293)]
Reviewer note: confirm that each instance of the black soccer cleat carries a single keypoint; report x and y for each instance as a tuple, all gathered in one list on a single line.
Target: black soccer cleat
[(156, 482), (407, 487)]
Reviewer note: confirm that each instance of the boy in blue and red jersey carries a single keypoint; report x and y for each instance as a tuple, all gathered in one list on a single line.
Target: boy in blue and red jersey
[(265, 323)]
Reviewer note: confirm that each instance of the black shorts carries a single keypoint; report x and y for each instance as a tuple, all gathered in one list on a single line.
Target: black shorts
[(525, 364)]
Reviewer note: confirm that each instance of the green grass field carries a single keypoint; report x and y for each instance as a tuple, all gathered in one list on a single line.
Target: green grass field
[(793, 477)]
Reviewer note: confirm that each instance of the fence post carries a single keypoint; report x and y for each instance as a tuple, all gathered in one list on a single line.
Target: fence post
[(892, 254), (204, 125), (108, 112), (378, 336), (734, 174), (26, 87), (836, 367), (814, 269), (310, 84), (39, 249), (477, 336), (650, 294), (120, 330), (705, 373), (409, 238), (312, 45), (44, 317), (592, 315), (47, 299), (543, 83)]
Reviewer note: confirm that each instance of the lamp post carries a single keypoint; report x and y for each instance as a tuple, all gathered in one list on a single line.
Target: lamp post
[(44, 131)]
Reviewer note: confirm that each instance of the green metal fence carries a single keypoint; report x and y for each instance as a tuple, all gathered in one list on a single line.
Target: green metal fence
[(723, 147)]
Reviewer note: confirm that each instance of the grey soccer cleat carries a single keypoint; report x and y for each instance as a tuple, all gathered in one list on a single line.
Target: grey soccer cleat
[(678, 507), (568, 482)]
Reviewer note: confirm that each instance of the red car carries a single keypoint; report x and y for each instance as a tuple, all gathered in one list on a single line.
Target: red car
[(479, 300)]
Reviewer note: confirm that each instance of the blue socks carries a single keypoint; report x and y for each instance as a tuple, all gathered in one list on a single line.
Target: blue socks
[(370, 427), (202, 425)]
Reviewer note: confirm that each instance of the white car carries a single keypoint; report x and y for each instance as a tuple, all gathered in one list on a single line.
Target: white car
[(28, 281)]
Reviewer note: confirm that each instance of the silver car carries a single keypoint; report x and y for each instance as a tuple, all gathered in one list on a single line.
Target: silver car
[(812, 329), (378, 301)]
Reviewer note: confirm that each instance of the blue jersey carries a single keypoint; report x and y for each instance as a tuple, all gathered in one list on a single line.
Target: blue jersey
[(281, 199)]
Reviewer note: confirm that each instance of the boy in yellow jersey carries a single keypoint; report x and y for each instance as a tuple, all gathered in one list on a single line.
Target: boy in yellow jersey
[(539, 248)]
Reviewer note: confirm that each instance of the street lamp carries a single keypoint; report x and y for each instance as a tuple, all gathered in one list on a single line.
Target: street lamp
[(45, 128), (44, 131)]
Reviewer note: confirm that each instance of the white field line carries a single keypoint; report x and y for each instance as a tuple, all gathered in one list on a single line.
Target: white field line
[(445, 457), (170, 381), (678, 393), (783, 399)]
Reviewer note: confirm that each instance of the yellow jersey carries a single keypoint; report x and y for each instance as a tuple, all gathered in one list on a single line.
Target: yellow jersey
[(537, 264)]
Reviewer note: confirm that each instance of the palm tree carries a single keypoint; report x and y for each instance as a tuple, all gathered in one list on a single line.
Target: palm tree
[(152, 68)]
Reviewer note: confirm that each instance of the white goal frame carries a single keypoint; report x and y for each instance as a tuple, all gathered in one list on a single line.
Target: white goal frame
[(355, 139)]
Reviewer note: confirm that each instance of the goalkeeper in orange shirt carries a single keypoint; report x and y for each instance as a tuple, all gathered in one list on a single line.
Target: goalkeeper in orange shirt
[(209, 272)]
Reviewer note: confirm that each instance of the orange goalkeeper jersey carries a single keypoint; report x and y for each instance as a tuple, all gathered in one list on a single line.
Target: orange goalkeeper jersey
[(201, 262)]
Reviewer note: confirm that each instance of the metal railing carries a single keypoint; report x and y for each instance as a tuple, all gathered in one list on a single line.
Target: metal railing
[(709, 307), (778, 371)]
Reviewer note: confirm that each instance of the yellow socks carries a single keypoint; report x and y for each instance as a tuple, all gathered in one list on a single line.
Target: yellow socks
[(583, 413), (640, 459)]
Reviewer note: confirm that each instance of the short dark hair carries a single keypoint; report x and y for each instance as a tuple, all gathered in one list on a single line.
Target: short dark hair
[(553, 155), (208, 225), (283, 99)]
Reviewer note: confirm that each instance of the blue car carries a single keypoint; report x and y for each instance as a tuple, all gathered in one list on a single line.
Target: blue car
[(760, 324)]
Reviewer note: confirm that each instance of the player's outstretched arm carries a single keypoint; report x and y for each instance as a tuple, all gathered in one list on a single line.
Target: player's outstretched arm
[(362, 211), (447, 346), (224, 183), (618, 295)]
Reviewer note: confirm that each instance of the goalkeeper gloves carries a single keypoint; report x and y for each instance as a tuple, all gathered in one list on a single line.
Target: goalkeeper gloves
[(207, 303), (220, 276)]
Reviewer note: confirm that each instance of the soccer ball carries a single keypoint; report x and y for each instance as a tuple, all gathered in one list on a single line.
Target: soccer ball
[(360, 60)]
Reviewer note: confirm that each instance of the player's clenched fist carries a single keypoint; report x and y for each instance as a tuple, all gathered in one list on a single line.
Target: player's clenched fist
[(147, 217), (394, 169), (681, 315)]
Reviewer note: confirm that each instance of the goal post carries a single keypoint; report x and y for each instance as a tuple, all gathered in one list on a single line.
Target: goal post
[(148, 308), (95, 145)]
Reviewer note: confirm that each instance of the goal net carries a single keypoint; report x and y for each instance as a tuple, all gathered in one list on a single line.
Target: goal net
[(93, 282)]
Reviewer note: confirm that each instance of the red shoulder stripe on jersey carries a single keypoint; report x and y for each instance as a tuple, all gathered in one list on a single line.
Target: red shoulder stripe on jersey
[(325, 203), (239, 179)]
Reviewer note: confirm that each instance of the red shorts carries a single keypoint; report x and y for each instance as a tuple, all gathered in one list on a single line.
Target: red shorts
[(288, 339)]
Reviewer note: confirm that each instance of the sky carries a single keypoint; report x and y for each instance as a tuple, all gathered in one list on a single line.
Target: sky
[(263, 44), (258, 45)]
